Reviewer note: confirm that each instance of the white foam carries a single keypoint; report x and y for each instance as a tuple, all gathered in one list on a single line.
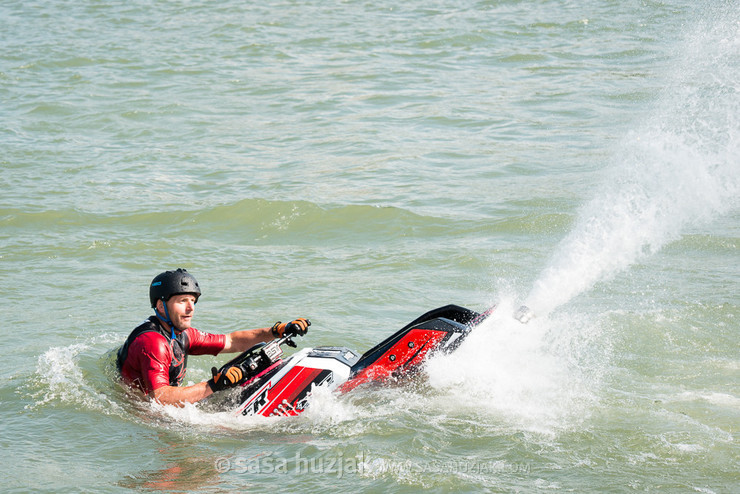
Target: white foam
[(719, 399), (59, 373), (59, 378), (326, 407), (542, 376)]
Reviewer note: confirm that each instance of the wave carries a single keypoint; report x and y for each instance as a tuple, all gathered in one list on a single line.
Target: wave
[(261, 220)]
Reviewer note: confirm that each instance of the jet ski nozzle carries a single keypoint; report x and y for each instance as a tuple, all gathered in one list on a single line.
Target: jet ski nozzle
[(523, 314)]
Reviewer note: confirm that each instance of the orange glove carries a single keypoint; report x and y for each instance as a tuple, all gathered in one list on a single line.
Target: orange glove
[(297, 327), (225, 378)]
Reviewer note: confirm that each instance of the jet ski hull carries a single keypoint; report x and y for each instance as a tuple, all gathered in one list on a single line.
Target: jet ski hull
[(281, 387)]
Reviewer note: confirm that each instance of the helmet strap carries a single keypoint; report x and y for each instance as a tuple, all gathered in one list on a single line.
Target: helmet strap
[(166, 316)]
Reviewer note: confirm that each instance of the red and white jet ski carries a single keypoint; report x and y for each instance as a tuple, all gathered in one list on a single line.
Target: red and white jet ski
[(275, 386)]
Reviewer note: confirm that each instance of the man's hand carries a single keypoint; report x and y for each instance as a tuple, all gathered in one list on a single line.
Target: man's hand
[(297, 327), (226, 377)]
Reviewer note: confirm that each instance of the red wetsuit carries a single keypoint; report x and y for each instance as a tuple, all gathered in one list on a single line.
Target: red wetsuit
[(150, 358)]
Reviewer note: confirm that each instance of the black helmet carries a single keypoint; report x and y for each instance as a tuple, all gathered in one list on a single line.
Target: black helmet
[(170, 283)]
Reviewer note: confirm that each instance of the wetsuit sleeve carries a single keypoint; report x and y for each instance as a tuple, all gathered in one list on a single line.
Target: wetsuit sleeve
[(152, 356), (205, 343)]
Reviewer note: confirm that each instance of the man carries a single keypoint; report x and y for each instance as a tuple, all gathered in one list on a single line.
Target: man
[(154, 356)]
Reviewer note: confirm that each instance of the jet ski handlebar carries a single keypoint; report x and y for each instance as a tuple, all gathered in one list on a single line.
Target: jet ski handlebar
[(260, 356)]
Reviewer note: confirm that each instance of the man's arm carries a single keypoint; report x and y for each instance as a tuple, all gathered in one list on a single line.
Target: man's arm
[(176, 395), (223, 379), (239, 341)]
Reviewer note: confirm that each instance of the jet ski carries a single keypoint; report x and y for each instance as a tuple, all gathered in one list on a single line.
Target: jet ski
[(278, 386)]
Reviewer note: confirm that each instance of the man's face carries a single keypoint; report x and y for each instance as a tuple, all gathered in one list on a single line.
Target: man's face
[(181, 309)]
